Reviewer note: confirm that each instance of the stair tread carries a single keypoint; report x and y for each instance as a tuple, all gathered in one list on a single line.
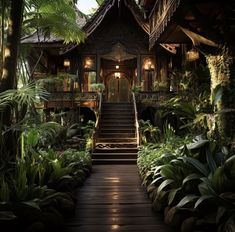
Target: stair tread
[(120, 153), (116, 141), (125, 138), (107, 161)]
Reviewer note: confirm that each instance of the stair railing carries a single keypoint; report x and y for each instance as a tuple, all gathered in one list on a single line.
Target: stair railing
[(137, 134), (97, 124)]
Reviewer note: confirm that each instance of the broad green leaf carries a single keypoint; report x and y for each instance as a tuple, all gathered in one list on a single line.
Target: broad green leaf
[(198, 165), (218, 179), (187, 199), (220, 213), (228, 196), (7, 216), (31, 204), (172, 195), (210, 160), (202, 199), (205, 188), (193, 176), (198, 144), (32, 137), (156, 180), (167, 171), (164, 184)]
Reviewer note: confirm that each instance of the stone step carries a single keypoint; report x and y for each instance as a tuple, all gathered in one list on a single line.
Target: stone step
[(121, 140), (117, 115), (114, 155), (113, 120), (116, 145), (114, 109), (118, 126), (115, 104), (113, 161), (117, 130), (116, 135), (116, 150)]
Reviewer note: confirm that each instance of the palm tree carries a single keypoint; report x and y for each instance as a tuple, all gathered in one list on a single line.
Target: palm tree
[(48, 16)]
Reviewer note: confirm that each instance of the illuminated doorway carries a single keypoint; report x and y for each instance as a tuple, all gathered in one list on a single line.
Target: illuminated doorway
[(118, 89)]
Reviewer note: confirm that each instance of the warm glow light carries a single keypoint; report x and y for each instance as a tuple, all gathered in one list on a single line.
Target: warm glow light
[(117, 66), (117, 75), (192, 55), (66, 63), (88, 63), (7, 52), (114, 227), (148, 64), (115, 197)]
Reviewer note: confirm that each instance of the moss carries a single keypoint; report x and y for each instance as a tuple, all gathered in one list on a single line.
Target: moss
[(222, 74)]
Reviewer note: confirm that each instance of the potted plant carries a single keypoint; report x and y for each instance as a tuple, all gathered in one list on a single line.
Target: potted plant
[(98, 87)]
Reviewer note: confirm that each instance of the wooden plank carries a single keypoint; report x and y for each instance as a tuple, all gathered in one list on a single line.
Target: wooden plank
[(119, 228), (113, 199)]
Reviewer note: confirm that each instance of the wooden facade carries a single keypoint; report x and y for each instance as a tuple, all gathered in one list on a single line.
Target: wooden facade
[(127, 47)]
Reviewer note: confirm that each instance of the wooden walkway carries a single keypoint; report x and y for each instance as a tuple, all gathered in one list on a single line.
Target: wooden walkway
[(112, 199)]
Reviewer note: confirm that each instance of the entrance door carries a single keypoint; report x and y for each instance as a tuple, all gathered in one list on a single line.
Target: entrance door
[(118, 89)]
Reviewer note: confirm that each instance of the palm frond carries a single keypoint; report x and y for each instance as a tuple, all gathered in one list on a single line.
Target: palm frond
[(54, 17), (26, 95)]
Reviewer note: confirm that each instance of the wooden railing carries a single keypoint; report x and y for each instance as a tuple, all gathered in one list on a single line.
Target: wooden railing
[(152, 97), (97, 124), (71, 99), (136, 121), (159, 18)]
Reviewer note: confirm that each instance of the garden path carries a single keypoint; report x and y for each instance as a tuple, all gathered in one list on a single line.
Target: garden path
[(112, 199)]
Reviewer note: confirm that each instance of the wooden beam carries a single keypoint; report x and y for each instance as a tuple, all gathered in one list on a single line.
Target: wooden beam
[(198, 39), (169, 47)]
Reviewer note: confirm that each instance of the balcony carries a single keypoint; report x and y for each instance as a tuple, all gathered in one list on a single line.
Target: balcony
[(61, 100), (153, 98)]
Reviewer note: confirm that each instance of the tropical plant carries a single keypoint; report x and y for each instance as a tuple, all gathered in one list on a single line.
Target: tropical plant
[(149, 133), (98, 87), (39, 187), (50, 17), (194, 187)]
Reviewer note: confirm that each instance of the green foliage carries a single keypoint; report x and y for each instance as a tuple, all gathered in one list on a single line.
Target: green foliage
[(98, 87), (24, 96), (148, 132), (51, 17), (43, 182), (196, 178)]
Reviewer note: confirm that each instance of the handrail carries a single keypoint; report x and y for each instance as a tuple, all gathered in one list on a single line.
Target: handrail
[(99, 111), (97, 122), (136, 121)]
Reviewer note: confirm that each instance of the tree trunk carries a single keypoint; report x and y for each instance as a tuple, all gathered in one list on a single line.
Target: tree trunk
[(9, 76)]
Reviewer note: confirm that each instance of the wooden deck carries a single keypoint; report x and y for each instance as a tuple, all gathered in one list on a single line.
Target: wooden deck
[(112, 199)]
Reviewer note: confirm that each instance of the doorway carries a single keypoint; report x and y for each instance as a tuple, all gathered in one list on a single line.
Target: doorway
[(118, 89)]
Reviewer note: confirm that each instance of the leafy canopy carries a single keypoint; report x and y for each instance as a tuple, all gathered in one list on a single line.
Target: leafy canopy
[(58, 18)]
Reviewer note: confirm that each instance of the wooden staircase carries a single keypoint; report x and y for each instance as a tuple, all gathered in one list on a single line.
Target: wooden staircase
[(116, 141)]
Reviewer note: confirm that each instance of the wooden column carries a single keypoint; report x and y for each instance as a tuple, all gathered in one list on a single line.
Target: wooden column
[(97, 68), (139, 69)]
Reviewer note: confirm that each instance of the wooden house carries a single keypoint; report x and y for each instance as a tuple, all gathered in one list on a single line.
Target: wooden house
[(132, 45)]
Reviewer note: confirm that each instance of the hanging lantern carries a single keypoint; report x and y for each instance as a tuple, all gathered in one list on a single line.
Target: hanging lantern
[(66, 63), (192, 55), (148, 64)]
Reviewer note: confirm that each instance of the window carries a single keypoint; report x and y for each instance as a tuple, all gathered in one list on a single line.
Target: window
[(89, 79), (89, 67)]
